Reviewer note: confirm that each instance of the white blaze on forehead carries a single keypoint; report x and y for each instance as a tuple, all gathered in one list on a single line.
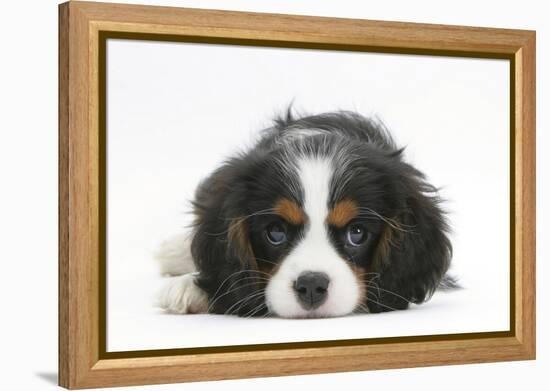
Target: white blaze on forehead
[(315, 175), (314, 252)]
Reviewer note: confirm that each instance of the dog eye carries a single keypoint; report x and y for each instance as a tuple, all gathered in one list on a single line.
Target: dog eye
[(356, 234), (275, 233)]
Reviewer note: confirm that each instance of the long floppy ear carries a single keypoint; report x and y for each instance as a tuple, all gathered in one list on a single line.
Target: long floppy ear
[(221, 247), (413, 252)]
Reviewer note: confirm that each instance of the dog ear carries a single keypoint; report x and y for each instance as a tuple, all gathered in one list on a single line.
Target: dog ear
[(221, 247), (413, 252)]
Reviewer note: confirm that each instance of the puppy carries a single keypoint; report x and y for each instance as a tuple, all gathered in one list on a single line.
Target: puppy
[(321, 218)]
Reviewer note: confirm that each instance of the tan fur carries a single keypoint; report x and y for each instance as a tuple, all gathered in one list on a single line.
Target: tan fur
[(360, 274), (238, 240), (387, 240), (342, 213), (290, 211)]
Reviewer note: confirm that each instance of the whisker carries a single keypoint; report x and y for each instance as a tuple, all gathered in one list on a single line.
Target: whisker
[(375, 275), (268, 313), (242, 301), (248, 278), (370, 284), (395, 294), (257, 213), (240, 219), (228, 292), (372, 295), (383, 305), (361, 308), (391, 222), (267, 261), (255, 310), (234, 274)]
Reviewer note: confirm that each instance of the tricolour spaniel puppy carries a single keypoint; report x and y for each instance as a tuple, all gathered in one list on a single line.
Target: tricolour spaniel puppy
[(321, 218)]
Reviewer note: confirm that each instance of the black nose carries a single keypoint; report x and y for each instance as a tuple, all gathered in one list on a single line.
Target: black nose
[(311, 289)]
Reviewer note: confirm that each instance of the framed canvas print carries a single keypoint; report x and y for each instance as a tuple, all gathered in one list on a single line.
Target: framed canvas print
[(247, 195)]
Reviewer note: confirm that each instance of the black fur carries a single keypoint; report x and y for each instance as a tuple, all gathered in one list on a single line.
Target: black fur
[(406, 254)]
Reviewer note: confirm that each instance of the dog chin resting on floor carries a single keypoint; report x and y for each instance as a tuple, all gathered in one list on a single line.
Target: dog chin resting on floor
[(322, 217)]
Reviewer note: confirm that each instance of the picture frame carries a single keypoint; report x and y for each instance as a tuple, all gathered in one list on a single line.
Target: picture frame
[(84, 28)]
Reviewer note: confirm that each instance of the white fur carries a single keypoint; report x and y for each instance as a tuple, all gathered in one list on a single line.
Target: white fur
[(181, 295), (174, 256), (314, 253), (292, 135)]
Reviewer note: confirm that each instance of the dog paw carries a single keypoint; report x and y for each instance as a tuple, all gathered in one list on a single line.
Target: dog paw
[(181, 295)]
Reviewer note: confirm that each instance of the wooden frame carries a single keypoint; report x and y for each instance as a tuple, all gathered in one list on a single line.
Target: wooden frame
[(83, 361)]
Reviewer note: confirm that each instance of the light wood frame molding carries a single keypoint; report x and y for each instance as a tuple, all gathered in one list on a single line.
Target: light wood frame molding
[(83, 29)]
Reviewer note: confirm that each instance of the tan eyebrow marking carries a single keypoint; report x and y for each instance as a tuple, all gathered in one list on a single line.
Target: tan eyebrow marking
[(342, 213), (290, 211)]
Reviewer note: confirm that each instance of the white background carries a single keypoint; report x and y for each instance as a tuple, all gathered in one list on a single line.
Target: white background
[(28, 158), (173, 114)]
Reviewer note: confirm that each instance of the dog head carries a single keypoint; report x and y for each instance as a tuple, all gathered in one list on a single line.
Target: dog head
[(322, 218)]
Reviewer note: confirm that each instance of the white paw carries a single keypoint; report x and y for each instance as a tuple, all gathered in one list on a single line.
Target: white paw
[(180, 295), (174, 256)]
